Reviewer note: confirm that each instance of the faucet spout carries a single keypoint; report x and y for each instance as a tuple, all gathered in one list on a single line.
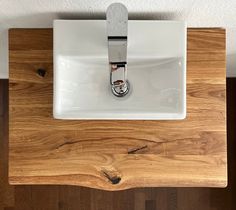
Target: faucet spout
[(117, 31)]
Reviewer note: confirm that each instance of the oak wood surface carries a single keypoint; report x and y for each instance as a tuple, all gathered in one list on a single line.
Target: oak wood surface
[(116, 155)]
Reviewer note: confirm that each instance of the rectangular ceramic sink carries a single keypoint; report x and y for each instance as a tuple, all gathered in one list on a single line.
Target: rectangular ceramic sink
[(156, 71)]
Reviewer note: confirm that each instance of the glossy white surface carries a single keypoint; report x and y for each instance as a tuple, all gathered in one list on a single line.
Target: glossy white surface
[(156, 71)]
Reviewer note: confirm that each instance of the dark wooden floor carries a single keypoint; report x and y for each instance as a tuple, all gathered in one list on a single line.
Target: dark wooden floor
[(70, 198)]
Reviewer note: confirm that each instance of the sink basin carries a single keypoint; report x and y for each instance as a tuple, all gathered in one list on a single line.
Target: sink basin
[(156, 70)]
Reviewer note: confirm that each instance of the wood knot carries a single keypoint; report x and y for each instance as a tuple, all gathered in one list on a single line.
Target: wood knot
[(41, 72), (112, 176)]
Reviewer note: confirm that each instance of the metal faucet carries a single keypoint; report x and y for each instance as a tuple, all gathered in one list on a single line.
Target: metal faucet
[(117, 31)]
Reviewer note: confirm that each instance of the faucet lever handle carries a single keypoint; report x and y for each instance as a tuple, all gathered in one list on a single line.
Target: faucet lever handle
[(117, 21)]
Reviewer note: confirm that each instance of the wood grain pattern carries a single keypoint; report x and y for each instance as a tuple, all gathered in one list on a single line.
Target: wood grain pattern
[(116, 155)]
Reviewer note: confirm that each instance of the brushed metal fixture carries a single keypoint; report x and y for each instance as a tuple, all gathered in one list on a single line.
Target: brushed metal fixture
[(117, 31)]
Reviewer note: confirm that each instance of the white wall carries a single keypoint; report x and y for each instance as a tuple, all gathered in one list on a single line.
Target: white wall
[(40, 13)]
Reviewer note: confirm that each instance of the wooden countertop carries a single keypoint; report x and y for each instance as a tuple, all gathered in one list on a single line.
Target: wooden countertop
[(116, 155)]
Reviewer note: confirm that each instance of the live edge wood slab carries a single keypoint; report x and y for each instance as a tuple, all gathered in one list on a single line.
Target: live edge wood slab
[(114, 155)]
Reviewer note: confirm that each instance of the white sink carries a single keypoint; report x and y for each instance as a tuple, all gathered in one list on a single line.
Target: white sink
[(156, 71)]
